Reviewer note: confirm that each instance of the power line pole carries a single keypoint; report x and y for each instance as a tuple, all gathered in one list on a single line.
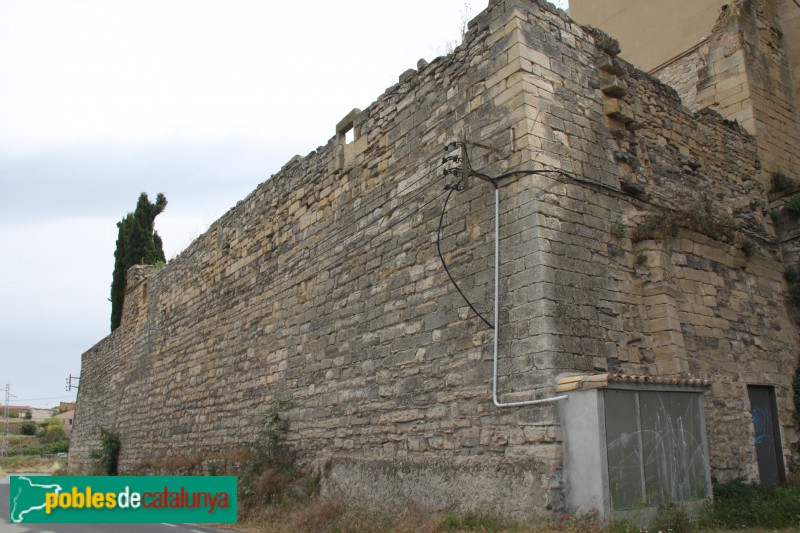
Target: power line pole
[(70, 379), (4, 445)]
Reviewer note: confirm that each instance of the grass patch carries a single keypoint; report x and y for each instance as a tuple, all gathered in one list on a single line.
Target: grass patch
[(33, 465), (471, 522), (49, 448), (325, 515), (672, 517), (740, 505)]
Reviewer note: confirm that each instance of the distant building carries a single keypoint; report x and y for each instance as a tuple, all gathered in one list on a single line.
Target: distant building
[(20, 410), (63, 407), (67, 417), (739, 58)]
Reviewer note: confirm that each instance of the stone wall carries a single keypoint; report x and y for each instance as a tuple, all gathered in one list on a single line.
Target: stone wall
[(324, 287), (743, 71), (790, 24)]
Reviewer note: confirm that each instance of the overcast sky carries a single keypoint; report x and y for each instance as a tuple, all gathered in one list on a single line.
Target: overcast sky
[(201, 100)]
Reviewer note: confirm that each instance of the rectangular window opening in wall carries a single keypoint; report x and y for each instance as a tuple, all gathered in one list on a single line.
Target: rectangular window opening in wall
[(345, 129), (633, 446)]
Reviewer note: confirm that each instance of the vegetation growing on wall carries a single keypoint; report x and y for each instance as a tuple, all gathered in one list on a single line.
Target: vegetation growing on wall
[(796, 385), (783, 186), (782, 183), (137, 244), (272, 474), (106, 458), (703, 219)]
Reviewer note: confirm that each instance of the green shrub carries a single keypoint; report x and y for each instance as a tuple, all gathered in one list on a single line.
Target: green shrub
[(54, 431), (27, 428), (106, 460), (782, 183), (272, 472), (793, 206), (792, 275), (49, 448)]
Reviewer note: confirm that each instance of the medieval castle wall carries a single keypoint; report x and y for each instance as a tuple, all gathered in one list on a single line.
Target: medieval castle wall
[(323, 287)]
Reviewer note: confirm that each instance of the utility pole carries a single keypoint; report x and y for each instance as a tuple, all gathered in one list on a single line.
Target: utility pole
[(70, 379), (4, 445)]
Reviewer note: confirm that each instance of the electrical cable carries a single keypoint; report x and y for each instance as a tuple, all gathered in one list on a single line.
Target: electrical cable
[(494, 181), (452, 188), (456, 187)]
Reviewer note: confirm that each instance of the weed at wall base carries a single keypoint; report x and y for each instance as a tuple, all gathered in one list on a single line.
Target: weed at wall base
[(738, 504), (106, 460)]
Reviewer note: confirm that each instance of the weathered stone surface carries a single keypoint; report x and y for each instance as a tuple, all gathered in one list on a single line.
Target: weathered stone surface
[(324, 286), (742, 71)]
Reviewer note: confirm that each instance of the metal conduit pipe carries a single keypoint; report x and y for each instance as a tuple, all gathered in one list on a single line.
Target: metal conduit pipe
[(496, 313)]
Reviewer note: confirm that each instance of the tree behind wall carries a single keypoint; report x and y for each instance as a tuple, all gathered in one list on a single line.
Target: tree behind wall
[(137, 244)]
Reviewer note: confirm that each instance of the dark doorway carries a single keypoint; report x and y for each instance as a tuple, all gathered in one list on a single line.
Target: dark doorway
[(764, 412)]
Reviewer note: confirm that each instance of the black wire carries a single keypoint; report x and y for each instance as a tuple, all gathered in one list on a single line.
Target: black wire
[(530, 172), (444, 264), (494, 181)]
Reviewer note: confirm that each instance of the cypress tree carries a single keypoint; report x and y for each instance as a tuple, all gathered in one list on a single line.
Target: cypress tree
[(137, 244)]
